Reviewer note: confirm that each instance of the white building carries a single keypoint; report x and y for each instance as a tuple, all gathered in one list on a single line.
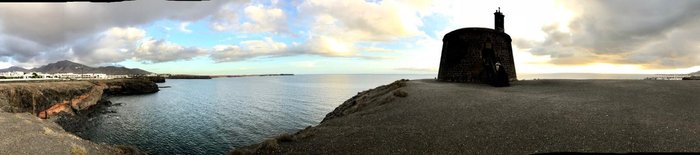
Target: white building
[(40, 76), (668, 77), (13, 75)]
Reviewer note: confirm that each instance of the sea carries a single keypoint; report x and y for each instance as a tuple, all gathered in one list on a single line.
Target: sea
[(198, 116)]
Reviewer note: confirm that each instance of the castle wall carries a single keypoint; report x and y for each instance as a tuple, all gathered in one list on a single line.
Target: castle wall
[(462, 59)]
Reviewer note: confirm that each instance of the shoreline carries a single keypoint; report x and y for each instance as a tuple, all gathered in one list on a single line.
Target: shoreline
[(428, 116)]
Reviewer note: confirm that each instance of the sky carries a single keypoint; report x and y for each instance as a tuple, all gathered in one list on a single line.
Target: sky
[(349, 36)]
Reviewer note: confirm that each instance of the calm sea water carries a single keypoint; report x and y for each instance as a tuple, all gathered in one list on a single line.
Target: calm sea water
[(214, 116)]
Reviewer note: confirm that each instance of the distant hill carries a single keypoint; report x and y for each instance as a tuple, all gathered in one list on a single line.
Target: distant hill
[(66, 66), (695, 73), (13, 69)]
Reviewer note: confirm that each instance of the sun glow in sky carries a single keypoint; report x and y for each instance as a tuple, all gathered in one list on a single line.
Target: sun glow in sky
[(349, 36)]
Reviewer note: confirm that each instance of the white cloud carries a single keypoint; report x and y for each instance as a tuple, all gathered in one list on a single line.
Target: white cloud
[(248, 49), (337, 26), (40, 33), (651, 34), (183, 27), (161, 51), (256, 18), (362, 20), (265, 19), (119, 44)]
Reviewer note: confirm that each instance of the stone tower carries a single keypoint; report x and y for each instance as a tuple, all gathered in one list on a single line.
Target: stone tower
[(471, 54)]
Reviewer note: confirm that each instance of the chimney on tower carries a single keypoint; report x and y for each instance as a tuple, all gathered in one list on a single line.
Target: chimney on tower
[(499, 20)]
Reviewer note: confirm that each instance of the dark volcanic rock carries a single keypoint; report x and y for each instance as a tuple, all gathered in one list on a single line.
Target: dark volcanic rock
[(78, 122), (71, 104), (692, 78), (366, 99), (38, 97), (130, 86), (156, 79), (48, 98), (189, 77)]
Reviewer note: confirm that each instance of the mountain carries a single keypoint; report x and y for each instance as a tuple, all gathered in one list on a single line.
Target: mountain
[(696, 73), (113, 70), (13, 69), (66, 66)]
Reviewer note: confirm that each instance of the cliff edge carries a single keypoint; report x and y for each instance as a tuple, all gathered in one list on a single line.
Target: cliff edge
[(26, 106), (541, 116), (45, 99)]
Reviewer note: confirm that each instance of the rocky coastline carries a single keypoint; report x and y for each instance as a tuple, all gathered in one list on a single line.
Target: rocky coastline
[(68, 104)]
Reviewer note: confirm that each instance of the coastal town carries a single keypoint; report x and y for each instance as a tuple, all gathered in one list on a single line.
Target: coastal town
[(691, 76), (26, 76), (68, 70)]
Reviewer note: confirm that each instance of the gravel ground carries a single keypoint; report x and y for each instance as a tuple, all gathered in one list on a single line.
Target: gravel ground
[(530, 117)]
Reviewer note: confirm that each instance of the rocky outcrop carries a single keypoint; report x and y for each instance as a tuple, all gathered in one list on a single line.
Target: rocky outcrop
[(68, 103), (128, 86), (156, 79), (368, 99), (45, 99), (189, 77), (692, 78), (363, 101), (48, 97)]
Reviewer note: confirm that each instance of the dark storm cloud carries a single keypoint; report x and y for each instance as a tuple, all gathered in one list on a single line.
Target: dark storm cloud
[(29, 31), (654, 33)]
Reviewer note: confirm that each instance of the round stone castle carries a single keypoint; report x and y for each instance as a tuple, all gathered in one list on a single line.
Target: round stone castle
[(477, 54)]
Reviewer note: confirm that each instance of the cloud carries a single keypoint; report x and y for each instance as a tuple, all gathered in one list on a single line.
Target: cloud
[(97, 33), (114, 45), (183, 27), (363, 20), (256, 18), (226, 18), (337, 26), (653, 33), (161, 51), (35, 33), (248, 49), (265, 19), (323, 46), (119, 44)]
